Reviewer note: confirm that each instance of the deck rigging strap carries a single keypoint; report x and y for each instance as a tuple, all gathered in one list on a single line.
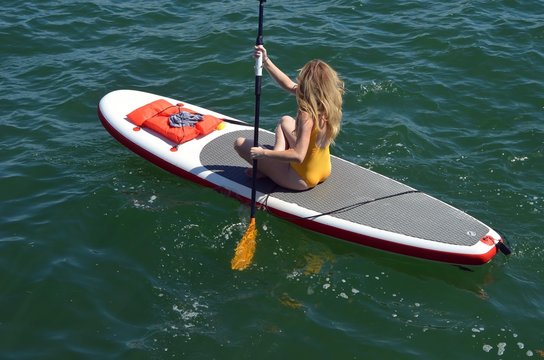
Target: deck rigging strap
[(342, 209)]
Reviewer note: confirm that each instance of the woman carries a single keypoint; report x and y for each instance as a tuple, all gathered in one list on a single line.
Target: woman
[(300, 158)]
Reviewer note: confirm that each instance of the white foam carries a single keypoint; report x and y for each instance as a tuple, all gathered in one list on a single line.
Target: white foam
[(501, 347)]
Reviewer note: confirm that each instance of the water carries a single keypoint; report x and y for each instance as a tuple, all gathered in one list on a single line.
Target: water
[(106, 256)]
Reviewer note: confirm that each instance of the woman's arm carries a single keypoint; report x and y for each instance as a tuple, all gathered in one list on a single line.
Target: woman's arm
[(279, 76), (298, 152)]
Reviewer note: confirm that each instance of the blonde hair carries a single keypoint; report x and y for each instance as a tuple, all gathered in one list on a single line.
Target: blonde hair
[(319, 93)]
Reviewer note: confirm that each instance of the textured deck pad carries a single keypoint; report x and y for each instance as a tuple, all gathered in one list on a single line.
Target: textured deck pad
[(358, 195)]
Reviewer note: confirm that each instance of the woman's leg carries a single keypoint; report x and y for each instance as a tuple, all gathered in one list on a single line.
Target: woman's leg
[(280, 172), (285, 133), (285, 138), (242, 147)]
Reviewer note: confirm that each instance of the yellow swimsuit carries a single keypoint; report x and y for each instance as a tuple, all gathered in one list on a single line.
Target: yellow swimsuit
[(316, 166)]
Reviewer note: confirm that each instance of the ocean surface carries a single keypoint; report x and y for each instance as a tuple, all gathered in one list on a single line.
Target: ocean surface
[(105, 256)]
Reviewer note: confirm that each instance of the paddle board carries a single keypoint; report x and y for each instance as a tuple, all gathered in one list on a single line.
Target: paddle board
[(353, 204)]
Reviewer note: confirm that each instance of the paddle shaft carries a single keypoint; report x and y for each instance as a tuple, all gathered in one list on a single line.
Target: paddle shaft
[(258, 80)]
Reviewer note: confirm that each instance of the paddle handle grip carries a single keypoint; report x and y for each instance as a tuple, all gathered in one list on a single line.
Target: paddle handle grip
[(259, 41), (259, 66)]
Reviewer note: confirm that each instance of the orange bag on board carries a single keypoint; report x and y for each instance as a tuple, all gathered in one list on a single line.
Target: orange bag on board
[(155, 116)]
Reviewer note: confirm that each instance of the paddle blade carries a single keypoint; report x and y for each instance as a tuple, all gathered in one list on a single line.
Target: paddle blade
[(245, 249)]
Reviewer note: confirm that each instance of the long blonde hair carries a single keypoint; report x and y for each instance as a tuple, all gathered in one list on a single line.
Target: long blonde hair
[(319, 93)]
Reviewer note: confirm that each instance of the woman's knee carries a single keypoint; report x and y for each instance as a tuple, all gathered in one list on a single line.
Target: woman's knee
[(286, 121), (239, 144), (286, 124), (242, 146)]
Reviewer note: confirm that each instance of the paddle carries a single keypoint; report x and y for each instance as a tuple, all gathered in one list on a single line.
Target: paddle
[(246, 247)]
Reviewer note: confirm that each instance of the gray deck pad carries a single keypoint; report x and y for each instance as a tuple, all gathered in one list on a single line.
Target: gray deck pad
[(355, 194)]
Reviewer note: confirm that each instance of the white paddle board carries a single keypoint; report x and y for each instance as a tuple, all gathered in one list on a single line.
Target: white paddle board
[(353, 204)]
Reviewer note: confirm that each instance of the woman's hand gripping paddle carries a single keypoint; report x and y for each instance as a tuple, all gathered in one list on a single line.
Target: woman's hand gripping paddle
[(246, 247)]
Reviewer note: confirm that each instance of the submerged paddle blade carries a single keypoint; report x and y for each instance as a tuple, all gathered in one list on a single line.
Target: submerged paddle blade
[(245, 249)]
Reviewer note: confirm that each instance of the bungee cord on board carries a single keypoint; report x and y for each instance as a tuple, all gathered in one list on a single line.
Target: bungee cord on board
[(339, 210)]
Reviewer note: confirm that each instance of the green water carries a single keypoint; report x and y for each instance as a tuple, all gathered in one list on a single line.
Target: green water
[(105, 256)]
